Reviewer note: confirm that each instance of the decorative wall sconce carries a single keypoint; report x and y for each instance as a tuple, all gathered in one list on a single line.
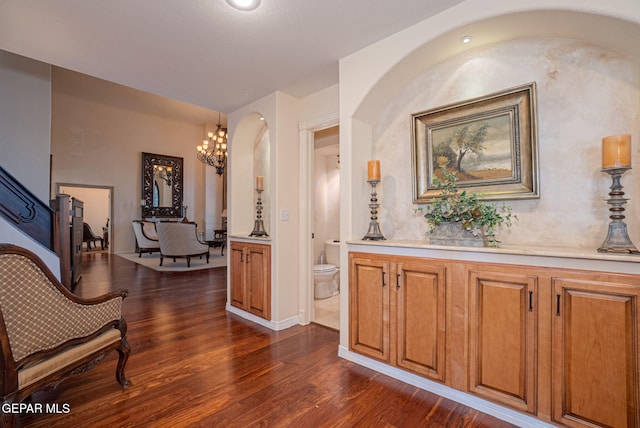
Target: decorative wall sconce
[(616, 160), (374, 233)]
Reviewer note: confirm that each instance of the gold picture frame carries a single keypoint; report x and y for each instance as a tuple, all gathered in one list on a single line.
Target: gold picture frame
[(490, 142)]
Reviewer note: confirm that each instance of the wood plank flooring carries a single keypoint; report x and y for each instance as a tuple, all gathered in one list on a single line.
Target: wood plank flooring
[(194, 364)]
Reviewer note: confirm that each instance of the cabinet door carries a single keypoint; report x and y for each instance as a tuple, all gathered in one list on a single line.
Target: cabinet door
[(595, 353), (369, 307), (502, 338), (237, 289), (258, 268), (421, 319)]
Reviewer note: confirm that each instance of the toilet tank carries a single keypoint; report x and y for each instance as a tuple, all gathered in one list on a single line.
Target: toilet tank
[(332, 252)]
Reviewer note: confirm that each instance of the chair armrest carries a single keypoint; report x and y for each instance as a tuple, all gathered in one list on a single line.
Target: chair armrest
[(121, 293)]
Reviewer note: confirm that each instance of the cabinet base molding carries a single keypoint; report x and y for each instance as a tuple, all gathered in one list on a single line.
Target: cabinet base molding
[(273, 325), (495, 410)]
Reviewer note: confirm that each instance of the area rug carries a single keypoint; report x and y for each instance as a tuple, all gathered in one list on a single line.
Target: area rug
[(153, 261)]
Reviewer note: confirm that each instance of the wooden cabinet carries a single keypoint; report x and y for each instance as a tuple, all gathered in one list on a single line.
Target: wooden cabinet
[(559, 344), (397, 313), (595, 350), (251, 278), (369, 307), (421, 318), (502, 336)]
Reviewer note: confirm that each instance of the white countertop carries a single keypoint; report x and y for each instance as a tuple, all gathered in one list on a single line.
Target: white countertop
[(247, 238), (580, 258)]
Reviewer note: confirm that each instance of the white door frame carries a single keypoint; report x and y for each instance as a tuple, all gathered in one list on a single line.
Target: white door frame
[(306, 133), (111, 210)]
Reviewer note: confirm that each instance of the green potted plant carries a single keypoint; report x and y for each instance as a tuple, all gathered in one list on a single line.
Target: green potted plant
[(462, 218)]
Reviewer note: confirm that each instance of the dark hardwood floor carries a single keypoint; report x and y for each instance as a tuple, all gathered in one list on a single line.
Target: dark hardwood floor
[(194, 364)]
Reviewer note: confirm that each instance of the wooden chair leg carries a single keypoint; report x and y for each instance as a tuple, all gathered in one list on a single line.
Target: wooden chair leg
[(123, 355)]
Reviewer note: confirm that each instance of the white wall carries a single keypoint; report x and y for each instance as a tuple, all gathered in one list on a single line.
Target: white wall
[(25, 114), (99, 131)]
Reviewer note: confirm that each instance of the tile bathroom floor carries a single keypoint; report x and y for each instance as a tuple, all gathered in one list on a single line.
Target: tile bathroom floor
[(327, 312)]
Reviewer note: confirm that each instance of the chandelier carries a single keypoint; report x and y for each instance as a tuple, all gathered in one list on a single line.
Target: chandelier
[(213, 150)]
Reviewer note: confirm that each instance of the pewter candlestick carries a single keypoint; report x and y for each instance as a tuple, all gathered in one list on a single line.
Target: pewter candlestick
[(617, 240), (374, 233), (258, 226)]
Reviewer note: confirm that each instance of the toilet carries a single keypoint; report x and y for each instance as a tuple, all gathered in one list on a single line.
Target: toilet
[(326, 277)]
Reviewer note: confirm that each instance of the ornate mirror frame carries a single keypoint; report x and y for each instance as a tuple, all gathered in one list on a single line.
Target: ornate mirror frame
[(176, 163)]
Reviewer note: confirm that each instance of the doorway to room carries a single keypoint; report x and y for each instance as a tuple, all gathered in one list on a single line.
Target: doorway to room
[(98, 208), (326, 227)]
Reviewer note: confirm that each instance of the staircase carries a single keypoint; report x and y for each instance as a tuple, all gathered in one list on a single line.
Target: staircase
[(25, 212)]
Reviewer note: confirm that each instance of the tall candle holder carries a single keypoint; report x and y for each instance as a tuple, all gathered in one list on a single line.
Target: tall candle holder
[(258, 226), (617, 240), (374, 233)]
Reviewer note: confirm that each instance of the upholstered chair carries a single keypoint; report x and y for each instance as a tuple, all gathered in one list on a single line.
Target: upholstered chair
[(179, 239), (48, 333), (146, 237), (88, 236)]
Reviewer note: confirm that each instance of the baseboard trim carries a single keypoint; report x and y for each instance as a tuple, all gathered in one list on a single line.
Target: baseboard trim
[(495, 410), (273, 325)]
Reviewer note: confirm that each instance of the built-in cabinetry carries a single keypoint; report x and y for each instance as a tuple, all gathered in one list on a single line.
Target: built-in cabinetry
[(251, 278), (397, 313), (595, 350), (502, 335), (558, 344)]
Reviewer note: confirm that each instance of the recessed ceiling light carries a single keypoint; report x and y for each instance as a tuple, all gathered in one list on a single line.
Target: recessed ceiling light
[(244, 4), (466, 39)]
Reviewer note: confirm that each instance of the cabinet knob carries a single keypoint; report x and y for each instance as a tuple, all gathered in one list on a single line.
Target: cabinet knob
[(383, 279)]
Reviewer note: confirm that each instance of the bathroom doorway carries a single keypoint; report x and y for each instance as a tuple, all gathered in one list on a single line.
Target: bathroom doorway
[(326, 227), (98, 208)]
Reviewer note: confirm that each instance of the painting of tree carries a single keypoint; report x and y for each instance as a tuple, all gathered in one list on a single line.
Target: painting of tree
[(489, 142), (477, 149), (468, 138)]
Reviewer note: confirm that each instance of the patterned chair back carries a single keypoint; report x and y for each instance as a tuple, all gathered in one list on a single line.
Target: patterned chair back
[(37, 315)]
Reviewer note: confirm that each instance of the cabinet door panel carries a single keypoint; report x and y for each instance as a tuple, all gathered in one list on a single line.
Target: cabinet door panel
[(595, 364), (502, 326), (369, 307), (421, 319), (237, 295), (257, 281)]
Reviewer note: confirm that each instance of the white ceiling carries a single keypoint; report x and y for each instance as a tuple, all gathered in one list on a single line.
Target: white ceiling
[(204, 52)]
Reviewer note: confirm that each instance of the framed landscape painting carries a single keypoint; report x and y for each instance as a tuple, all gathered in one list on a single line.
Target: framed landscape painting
[(489, 142)]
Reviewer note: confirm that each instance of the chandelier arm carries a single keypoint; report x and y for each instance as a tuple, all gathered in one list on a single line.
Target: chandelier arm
[(214, 152)]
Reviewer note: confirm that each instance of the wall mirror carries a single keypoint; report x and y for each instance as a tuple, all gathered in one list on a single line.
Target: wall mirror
[(161, 186)]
